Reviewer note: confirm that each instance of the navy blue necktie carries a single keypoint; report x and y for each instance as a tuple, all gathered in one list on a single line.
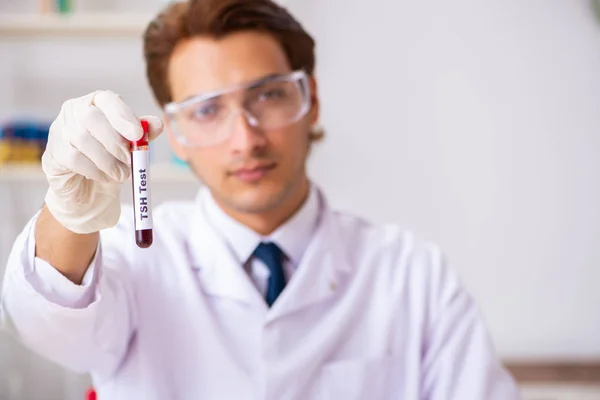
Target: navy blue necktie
[(272, 256)]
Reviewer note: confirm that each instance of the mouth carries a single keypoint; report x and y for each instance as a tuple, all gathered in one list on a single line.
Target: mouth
[(253, 173)]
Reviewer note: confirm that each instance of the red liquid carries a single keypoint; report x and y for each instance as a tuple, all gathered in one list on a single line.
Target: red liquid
[(143, 238)]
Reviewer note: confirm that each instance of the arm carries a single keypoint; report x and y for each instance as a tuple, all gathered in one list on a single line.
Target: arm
[(86, 327), (68, 293), (459, 359), (70, 253)]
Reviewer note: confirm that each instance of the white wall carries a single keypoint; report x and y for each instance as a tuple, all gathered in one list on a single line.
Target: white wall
[(471, 123), (476, 125)]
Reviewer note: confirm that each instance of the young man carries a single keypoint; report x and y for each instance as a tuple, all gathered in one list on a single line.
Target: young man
[(258, 289)]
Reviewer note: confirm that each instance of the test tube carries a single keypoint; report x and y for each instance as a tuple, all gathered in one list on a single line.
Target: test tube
[(140, 181)]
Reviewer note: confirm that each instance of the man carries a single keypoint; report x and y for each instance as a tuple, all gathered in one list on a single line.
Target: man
[(256, 290)]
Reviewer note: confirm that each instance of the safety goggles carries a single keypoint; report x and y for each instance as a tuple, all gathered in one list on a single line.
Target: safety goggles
[(269, 103)]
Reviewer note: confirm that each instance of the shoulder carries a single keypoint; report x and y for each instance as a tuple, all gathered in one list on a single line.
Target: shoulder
[(397, 254), (381, 239), (407, 270)]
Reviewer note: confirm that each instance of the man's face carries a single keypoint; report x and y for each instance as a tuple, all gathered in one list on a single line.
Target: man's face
[(253, 170)]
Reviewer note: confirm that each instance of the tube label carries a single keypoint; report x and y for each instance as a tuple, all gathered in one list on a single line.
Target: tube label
[(140, 164)]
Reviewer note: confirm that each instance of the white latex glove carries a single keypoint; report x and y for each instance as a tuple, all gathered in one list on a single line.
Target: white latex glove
[(87, 158)]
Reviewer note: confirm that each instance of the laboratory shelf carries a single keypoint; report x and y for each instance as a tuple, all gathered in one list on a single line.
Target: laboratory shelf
[(160, 173), (101, 24)]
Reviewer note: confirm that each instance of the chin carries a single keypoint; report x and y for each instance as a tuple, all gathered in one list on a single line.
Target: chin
[(256, 199)]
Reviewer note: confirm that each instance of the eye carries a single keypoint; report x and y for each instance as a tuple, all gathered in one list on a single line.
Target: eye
[(271, 94), (205, 111)]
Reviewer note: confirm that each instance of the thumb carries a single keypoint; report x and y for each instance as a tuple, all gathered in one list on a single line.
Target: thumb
[(155, 124)]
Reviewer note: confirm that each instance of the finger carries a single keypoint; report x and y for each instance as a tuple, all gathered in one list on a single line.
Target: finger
[(120, 116), (95, 122), (155, 124), (93, 150), (73, 160)]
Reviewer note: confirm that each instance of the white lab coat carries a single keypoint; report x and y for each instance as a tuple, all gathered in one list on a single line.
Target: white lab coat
[(371, 313)]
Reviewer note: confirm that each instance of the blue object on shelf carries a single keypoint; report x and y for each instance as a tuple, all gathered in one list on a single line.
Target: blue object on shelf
[(23, 140)]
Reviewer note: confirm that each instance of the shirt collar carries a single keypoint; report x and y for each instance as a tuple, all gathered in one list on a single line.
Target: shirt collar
[(292, 237)]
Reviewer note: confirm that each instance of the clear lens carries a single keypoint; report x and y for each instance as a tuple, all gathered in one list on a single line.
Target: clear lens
[(276, 104), (272, 104)]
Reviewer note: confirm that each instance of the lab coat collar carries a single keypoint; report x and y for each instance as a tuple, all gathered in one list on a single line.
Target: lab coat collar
[(295, 234), (320, 274), (240, 239), (292, 237), (323, 270), (219, 271)]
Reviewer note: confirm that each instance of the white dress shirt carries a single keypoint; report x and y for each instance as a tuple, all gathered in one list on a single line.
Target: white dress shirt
[(292, 237)]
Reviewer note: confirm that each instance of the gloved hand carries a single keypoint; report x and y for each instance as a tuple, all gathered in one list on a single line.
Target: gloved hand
[(87, 158)]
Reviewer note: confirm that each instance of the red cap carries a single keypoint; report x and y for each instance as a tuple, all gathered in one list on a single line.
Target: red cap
[(144, 139), (145, 126), (90, 394)]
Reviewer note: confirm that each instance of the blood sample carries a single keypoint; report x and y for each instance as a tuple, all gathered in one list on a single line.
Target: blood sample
[(140, 181)]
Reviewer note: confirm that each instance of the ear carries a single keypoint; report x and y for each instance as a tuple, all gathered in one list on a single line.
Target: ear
[(180, 150), (314, 98)]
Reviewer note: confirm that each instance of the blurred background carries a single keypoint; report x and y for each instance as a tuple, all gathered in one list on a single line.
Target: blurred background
[(474, 124)]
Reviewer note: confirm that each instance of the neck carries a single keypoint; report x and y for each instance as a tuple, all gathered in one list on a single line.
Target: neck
[(267, 222)]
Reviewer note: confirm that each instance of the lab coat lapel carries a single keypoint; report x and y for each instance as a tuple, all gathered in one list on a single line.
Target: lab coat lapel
[(322, 272), (219, 272)]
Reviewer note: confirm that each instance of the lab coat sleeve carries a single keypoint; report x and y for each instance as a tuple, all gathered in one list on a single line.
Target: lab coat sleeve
[(82, 327), (459, 359)]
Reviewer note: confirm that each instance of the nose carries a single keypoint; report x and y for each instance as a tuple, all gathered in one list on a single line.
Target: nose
[(245, 138)]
